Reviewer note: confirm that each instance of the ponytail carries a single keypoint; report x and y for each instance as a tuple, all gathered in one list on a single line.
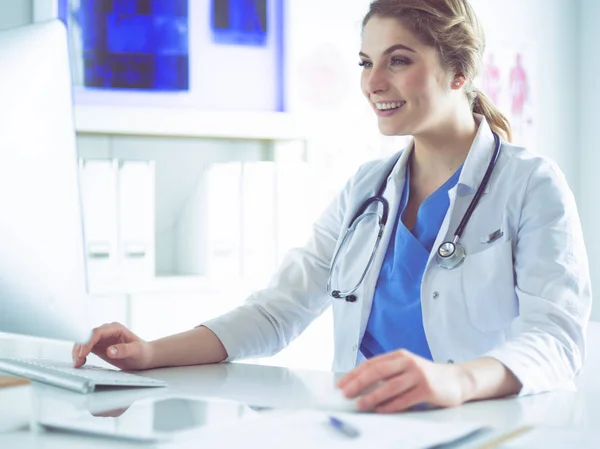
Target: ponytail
[(497, 121)]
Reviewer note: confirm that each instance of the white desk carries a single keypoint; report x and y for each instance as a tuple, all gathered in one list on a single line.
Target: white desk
[(270, 387), (281, 387)]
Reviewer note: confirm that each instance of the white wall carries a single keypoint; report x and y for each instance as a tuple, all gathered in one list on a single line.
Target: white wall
[(321, 66), (566, 33), (15, 13), (589, 143), (552, 26)]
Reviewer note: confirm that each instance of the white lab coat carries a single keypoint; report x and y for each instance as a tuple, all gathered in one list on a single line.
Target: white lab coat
[(523, 299)]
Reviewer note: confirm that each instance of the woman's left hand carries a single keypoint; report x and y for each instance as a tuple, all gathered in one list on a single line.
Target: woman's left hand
[(400, 380)]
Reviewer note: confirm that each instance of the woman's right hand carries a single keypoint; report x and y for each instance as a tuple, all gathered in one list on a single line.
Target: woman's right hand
[(117, 345)]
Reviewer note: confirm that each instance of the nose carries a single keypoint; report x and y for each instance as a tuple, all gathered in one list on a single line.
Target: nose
[(377, 80)]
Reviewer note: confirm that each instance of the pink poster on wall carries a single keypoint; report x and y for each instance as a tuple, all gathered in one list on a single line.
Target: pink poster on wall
[(508, 79)]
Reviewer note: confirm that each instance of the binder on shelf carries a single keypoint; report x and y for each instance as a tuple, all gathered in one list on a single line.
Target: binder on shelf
[(98, 179), (224, 220), (136, 208), (190, 233)]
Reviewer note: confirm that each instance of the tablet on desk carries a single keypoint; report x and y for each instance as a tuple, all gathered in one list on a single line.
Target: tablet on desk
[(153, 420)]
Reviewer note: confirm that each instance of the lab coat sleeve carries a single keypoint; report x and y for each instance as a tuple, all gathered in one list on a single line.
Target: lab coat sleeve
[(546, 343), (271, 318)]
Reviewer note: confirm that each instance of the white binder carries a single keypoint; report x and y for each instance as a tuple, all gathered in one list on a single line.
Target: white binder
[(224, 220), (136, 208), (99, 197), (189, 247)]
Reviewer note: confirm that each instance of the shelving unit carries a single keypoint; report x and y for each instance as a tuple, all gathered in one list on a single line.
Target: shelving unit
[(178, 122)]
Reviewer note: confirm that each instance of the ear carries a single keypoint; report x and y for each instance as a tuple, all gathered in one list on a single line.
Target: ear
[(458, 81)]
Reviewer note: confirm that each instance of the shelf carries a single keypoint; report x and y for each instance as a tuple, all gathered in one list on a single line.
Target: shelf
[(169, 285), (176, 122)]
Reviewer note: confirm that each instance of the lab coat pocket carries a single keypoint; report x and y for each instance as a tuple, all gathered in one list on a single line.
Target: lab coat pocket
[(488, 286)]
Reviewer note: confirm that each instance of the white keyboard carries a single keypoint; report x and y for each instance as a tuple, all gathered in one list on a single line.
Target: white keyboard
[(82, 380)]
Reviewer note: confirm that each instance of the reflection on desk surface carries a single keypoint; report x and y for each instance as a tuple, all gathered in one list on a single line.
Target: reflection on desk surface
[(156, 419), (261, 386), (268, 386)]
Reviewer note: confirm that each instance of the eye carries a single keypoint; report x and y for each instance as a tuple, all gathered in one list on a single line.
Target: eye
[(400, 61), (365, 64)]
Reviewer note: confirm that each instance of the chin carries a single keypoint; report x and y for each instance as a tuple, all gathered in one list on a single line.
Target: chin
[(392, 130)]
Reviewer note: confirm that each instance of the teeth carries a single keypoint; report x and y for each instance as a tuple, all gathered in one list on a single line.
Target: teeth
[(386, 106)]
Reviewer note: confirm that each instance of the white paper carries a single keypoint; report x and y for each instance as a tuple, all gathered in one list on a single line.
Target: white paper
[(308, 428)]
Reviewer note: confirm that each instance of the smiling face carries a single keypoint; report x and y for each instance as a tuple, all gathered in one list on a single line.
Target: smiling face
[(403, 79)]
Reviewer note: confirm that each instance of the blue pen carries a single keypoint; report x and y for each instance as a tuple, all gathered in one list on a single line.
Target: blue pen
[(343, 427)]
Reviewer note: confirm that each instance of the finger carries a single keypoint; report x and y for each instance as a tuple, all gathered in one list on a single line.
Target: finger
[(121, 351), (75, 352), (375, 371), (388, 390), (404, 401), (104, 331), (86, 348), (79, 362), (358, 371)]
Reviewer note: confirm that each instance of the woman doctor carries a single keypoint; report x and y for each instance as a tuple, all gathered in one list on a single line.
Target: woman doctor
[(439, 315)]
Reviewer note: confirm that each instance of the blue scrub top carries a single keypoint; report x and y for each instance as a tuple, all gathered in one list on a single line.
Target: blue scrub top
[(396, 319)]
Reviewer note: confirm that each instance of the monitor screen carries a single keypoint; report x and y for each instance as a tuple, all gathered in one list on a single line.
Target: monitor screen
[(43, 285)]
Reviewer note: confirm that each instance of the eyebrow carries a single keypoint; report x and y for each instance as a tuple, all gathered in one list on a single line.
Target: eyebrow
[(392, 49)]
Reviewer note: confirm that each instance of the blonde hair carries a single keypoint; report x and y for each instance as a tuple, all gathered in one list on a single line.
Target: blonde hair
[(452, 28)]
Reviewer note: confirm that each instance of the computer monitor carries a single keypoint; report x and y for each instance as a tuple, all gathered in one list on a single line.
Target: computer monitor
[(43, 286)]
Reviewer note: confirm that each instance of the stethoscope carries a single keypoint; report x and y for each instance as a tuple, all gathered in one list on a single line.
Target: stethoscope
[(450, 254)]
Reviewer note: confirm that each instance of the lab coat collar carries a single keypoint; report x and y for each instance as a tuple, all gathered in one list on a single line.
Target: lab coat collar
[(475, 165), (398, 173), (479, 156)]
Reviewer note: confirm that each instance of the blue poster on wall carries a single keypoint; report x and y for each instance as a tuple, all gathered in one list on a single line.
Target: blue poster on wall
[(141, 53), (239, 22), (135, 44)]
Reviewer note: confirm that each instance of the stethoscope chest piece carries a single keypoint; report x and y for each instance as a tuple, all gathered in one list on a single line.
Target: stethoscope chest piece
[(450, 255)]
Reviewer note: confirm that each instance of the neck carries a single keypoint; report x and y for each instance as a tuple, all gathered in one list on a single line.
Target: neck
[(440, 153)]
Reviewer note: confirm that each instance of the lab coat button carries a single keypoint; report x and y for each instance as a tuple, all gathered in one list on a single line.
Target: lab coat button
[(450, 361), (354, 348), (436, 295)]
